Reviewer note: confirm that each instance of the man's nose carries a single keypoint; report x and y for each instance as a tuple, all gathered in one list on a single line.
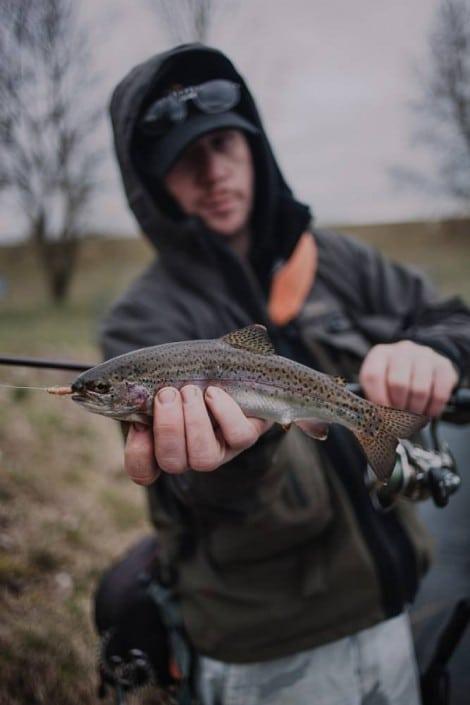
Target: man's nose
[(213, 167)]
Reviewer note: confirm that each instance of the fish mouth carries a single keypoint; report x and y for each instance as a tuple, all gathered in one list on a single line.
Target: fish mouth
[(89, 400), (103, 407)]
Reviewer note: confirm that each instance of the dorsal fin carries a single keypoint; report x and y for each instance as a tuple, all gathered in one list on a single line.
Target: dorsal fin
[(253, 338)]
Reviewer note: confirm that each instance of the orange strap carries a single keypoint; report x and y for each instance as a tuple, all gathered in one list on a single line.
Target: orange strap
[(175, 670), (292, 282)]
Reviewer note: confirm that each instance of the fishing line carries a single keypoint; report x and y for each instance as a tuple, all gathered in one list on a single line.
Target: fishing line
[(58, 391)]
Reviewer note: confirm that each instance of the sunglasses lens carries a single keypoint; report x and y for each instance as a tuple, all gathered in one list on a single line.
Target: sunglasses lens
[(177, 110), (212, 97), (162, 115), (157, 119), (156, 111), (217, 96)]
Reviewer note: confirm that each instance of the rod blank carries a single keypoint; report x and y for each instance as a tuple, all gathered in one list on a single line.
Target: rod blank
[(44, 363)]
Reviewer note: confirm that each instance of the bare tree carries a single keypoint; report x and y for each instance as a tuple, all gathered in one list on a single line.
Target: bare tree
[(186, 20), (442, 109), (47, 162)]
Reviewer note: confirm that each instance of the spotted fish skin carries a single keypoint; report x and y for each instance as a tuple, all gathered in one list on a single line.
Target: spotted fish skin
[(264, 384)]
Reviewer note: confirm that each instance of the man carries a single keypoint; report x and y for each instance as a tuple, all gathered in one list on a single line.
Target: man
[(292, 586)]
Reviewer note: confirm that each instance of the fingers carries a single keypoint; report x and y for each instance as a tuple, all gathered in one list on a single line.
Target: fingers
[(373, 375), (184, 432), (408, 376), (422, 382), (239, 431), (139, 458), (206, 450), (399, 377), (169, 431), (445, 380)]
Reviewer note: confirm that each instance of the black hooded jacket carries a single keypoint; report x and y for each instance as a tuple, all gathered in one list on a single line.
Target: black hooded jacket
[(278, 218), (280, 549)]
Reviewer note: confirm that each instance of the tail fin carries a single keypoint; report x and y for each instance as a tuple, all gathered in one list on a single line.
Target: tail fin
[(380, 447)]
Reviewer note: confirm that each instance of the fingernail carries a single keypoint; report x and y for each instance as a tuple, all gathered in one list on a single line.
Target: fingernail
[(167, 395), (189, 392), (139, 427), (212, 392)]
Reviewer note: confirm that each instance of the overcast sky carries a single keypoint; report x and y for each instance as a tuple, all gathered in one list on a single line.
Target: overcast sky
[(333, 80)]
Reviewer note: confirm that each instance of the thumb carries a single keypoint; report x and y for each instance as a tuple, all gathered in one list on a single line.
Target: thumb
[(139, 456)]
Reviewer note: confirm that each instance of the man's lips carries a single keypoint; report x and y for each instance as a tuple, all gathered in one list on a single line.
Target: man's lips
[(219, 203)]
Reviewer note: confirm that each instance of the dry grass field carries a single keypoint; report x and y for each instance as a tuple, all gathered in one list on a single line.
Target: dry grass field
[(66, 509)]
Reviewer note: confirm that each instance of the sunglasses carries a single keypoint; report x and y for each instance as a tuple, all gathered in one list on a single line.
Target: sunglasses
[(212, 97)]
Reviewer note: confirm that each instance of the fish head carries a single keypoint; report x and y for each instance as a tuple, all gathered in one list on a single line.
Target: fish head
[(103, 393)]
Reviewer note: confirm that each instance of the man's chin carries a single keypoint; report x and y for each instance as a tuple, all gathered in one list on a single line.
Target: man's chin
[(227, 227)]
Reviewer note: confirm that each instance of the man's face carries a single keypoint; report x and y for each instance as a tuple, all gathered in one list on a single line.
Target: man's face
[(214, 179)]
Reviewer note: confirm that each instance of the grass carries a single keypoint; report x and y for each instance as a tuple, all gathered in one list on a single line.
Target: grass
[(66, 509), (29, 322), (59, 468)]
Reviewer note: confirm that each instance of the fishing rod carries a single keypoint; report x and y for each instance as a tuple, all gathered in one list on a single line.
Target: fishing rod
[(457, 410), (418, 473), (44, 363)]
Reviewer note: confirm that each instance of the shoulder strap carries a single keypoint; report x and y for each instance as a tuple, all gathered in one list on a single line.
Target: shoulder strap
[(293, 281)]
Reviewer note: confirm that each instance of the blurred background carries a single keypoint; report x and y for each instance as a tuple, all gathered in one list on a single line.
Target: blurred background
[(368, 107)]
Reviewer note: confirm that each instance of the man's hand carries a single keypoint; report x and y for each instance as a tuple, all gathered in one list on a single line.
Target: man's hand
[(183, 435), (408, 376)]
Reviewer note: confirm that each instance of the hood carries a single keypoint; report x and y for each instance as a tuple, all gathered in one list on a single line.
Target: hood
[(278, 218)]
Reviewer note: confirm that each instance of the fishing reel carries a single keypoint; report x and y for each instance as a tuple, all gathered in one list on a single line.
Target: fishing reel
[(124, 673), (419, 473)]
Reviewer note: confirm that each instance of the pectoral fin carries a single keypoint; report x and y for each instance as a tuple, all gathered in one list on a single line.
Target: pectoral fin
[(314, 429)]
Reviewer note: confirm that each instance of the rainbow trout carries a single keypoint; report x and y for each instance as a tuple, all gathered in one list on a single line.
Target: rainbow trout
[(264, 384)]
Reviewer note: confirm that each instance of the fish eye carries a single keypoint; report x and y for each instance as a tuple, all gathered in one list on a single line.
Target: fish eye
[(100, 387)]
